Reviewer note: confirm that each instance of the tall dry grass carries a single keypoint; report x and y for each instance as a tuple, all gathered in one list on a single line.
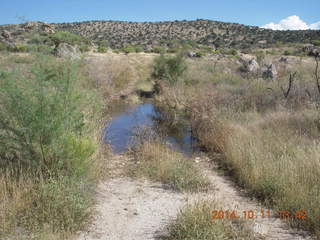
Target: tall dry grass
[(267, 142), (158, 162)]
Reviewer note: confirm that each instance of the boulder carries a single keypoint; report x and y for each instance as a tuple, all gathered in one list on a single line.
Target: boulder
[(6, 35), (68, 51), (250, 64), (191, 54), (47, 28), (253, 66), (311, 50), (269, 72)]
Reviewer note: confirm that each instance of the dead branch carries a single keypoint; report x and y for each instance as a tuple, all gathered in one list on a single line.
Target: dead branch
[(316, 73), (291, 79)]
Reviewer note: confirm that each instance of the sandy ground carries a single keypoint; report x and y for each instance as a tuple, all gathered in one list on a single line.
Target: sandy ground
[(131, 209)]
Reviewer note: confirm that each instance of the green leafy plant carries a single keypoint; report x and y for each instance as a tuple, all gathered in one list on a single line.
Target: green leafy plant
[(169, 68)]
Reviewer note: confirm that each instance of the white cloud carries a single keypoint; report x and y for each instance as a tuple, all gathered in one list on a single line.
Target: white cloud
[(315, 26), (292, 23)]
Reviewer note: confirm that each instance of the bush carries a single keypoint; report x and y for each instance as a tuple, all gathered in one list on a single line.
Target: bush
[(3, 46), (84, 48), (287, 52), (169, 68), (199, 54), (67, 37), (18, 48), (316, 42), (102, 49), (129, 49), (159, 49), (40, 114)]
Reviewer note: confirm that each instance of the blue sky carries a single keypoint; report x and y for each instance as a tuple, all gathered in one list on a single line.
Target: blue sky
[(249, 12)]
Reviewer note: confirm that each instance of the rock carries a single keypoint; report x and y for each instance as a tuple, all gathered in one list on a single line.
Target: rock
[(250, 64), (314, 52), (6, 35), (253, 66), (30, 25), (246, 58), (311, 50), (47, 28), (283, 59), (270, 71), (191, 54), (67, 50)]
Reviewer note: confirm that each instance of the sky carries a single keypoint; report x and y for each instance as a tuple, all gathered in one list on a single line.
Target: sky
[(274, 14)]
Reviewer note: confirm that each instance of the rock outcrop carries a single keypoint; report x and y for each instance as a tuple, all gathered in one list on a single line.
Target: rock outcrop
[(269, 71), (67, 51)]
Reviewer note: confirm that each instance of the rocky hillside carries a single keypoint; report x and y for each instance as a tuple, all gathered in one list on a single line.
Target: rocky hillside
[(118, 34)]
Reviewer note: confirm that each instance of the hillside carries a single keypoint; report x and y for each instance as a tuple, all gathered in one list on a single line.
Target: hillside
[(117, 34)]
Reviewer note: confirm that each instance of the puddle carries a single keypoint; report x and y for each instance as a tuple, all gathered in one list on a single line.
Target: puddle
[(121, 133)]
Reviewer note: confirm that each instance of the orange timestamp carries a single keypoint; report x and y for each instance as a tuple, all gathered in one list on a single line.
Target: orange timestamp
[(254, 214)]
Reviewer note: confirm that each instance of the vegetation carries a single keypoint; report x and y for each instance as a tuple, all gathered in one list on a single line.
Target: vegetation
[(158, 162), (195, 222), (169, 68), (266, 140), (47, 149), (67, 37), (149, 35)]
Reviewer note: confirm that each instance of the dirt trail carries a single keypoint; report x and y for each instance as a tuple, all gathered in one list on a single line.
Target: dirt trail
[(232, 199), (129, 209)]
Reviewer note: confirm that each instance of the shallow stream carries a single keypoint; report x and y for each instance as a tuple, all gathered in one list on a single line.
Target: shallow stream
[(142, 122)]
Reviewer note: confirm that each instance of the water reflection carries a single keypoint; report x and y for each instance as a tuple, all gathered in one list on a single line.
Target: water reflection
[(121, 133)]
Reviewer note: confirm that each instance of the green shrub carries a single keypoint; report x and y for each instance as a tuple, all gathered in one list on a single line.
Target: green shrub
[(169, 68), (18, 48), (3, 46), (159, 49), (128, 49), (38, 39), (67, 37), (139, 49), (102, 49), (287, 52), (84, 48), (38, 114), (60, 204), (199, 54), (316, 42), (232, 52)]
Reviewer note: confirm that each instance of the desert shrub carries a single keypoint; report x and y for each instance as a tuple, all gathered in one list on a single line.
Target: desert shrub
[(84, 48), (169, 68), (47, 171), (3, 46), (129, 49), (139, 49), (159, 49), (39, 39), (67, 37), (18, 48), (40, 112), (199, 54), (287, 52), (316, 42), (102, 49)]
